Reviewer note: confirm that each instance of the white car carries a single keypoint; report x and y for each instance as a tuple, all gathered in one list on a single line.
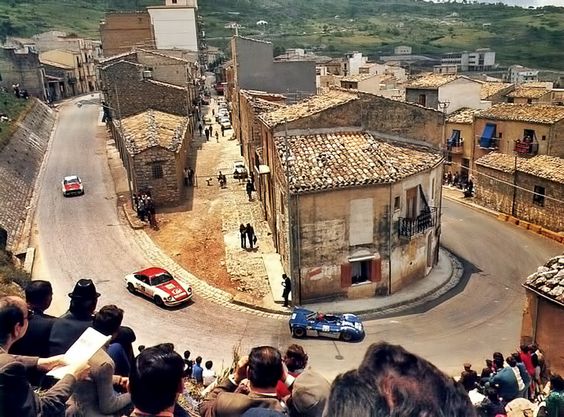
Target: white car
[(72, 185), (225, 122), (158, 285)]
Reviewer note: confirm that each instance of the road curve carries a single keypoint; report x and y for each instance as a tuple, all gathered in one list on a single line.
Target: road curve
[(84, 237)]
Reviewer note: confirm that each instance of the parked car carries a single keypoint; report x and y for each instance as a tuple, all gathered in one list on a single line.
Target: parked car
[(305, 322), (239, 170), (207, 119), (221, 113), (225, 122), (158, 285), (72, 185)]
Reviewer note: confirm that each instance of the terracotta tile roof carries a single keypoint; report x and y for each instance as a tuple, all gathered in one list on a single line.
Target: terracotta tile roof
[(549, 279), (153, 52), (432, 80), (262, 106), (534, 113), (464, 115), (349, 159), (162, 84), (543, 166), (153, 128), (313, 105), (488, 89), (529, 92), (357, 78)]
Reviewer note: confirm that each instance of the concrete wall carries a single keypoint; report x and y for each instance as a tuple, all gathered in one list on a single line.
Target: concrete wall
[(125, 90), (431, 97), (542, 324), (257, 71), (23, 69), (460, 93), (122, 31), (174, 27), (20, 162)]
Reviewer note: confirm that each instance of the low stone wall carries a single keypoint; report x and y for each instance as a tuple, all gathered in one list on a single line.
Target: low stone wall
[(20, 161)]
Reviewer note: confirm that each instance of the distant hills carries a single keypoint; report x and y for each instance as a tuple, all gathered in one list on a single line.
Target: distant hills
[(532, 37)]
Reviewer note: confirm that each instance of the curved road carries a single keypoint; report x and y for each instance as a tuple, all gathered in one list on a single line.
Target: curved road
[(84, 237)]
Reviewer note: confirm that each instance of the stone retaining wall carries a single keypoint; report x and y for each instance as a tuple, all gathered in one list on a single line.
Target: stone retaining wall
[(20, 161)]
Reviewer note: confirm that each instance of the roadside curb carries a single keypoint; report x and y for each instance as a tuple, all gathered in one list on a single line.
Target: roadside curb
[(133, 223), (533, 228), (246, 304)]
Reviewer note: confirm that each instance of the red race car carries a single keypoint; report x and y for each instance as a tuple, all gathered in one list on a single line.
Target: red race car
[(160, 286)]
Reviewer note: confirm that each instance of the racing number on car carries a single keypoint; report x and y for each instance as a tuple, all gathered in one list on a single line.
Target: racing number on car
[(325, 328)]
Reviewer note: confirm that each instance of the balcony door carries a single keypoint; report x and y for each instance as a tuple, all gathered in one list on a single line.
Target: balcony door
[(411, 199)]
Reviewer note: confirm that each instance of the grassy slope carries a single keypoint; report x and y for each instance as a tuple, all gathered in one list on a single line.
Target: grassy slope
[(530, 37), (11, 107)]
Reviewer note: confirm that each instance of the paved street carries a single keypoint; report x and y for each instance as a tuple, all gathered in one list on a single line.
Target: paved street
[(84, 237)]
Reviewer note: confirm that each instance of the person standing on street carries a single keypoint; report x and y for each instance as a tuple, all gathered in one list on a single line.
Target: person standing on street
[(217, 137), (249, 189), (211, 130), (207, 133), (222, 131), (243, 233), (250, 234), (287, 284), (200, 128), (190, 176)]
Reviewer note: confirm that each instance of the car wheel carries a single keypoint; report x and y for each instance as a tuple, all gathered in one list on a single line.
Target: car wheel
[(298, 332), (159, 301), (131, 288), (346, 336)]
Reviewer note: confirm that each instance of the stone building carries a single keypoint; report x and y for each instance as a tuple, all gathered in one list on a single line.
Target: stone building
[(364, 120), (60, 81), (460, 142), (80, 81), (22, 66), (129, 88), (495, 92), (364, 211), (531, 189), (527, 94), (153, 146), (122, 31), (445, 92), (544, 312), (525, 129)]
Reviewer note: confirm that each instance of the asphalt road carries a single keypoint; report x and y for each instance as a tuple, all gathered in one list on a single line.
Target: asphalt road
[(84, 237)]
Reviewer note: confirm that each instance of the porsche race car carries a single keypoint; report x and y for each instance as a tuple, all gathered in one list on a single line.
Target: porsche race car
[(305, 322), (158, 285), (72, 185)]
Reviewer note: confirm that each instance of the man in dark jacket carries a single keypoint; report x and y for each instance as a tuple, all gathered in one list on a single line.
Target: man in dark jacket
[(17, 397), (68, 328), (468, 377), (35, 342)]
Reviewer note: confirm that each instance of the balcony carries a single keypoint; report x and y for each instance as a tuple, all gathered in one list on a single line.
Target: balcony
[(489, 143), (456, 147), (411, 227), (526, 147)]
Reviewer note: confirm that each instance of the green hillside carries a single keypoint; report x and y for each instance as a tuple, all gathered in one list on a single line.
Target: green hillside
[(533, 37)]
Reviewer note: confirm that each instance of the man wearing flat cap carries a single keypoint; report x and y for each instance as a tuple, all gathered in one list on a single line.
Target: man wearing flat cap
[(468, 377), (68, 328)]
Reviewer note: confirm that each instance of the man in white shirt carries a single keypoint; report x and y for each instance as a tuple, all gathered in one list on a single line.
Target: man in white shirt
[(208, 374)]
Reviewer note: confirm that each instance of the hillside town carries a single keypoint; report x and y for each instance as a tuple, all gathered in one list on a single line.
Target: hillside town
[(232, 232)]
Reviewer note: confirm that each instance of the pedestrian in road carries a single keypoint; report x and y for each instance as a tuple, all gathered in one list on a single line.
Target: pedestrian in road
[(141, 209), (250, 235), (190, 176), (207, 133), (217, 137), (222, 131), (200, 128), (211, 130), (186, 177), (468, 377), (243, 234), (151, 213), (287, 284), (249, 189)]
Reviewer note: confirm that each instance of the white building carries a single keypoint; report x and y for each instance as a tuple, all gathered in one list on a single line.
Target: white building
[(175, 24), (402, 50), (519, 74), (353, 61), (479, 60)]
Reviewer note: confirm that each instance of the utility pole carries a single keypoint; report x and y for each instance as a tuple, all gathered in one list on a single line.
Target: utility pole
[(514, 187)]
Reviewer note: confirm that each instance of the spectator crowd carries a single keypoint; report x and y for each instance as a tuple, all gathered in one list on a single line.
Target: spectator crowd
[(115, 381)]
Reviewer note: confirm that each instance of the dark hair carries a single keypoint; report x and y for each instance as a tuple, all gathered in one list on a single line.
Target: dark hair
[(411, 385), (353, 395), (155, 377), (556, 383), (83, 307), (141, 348), (492, 394), (517, 357), (489, 362), (10, 314), (108, 320), (265, 367), (186, 354), (497, 355), (209, 364), (199, 360), (525, 348), (295, 358), (511, 361), (37, 293)]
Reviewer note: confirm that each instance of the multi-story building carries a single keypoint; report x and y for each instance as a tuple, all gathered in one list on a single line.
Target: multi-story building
[(518, 74), (122, 31), (21, 66), (479, 60), (75, 69), (460, 142), (527, 94)]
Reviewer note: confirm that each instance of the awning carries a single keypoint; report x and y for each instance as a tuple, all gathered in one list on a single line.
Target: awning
[(487, 135), (454, 138)]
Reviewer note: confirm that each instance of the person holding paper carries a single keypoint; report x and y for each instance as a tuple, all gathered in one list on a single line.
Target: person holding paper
[(17, 397), (96, 397)]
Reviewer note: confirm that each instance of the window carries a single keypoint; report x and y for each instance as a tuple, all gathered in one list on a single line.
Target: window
[(157, 169), (529, 135), (543, 137), (360, 271), (411, 196), (397, 203), (510, 100), (538, 196), (422, 99), (529, 101)]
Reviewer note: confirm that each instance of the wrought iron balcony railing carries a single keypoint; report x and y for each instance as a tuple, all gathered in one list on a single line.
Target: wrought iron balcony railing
[(409, 227)]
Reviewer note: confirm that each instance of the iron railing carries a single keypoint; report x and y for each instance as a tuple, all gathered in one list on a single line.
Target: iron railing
[(409, 227)]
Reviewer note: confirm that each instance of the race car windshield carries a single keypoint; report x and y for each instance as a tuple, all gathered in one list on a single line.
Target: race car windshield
[(160, 279), (72, 181)]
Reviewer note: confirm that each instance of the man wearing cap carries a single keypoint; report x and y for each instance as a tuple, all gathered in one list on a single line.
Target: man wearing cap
[(468, 377), (68, 328), (310, 392)]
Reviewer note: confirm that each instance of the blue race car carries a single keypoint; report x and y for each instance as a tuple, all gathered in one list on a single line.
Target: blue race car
[(338, 326)]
